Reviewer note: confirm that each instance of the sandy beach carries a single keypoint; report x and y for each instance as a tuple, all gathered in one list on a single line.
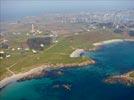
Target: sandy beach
[(16, 77), (111, 41), (38, 71)]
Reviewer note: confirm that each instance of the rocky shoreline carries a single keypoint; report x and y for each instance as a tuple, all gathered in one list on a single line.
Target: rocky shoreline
[(123, 79), (39, 71)]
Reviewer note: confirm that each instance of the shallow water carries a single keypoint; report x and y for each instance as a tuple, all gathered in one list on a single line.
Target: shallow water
[(85, 83)]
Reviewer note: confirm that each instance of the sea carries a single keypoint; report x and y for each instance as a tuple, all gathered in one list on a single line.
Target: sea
[(81, 83)]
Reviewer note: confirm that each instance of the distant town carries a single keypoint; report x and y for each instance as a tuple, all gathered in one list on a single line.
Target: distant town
[(43, 30)]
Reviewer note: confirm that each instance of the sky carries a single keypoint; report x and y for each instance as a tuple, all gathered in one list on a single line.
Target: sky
[(11, 9)]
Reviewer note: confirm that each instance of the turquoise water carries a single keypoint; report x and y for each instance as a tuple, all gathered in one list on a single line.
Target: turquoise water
[(85, 83)]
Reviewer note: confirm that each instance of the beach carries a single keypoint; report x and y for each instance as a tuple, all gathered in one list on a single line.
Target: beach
[(111, 41), (35, 72)]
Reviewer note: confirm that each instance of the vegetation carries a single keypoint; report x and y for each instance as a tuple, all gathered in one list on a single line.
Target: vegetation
[(54, 54), (131, 74)]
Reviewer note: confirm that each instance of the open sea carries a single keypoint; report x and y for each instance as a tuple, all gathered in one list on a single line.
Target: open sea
[(85, 83)]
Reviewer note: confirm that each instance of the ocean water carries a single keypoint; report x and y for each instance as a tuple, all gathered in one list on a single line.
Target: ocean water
[(85, 83)]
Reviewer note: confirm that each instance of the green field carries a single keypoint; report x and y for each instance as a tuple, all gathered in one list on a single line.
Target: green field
[(57, 53), (131, 74)]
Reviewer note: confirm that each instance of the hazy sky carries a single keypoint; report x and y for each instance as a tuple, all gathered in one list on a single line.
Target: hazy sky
[(20, 8)]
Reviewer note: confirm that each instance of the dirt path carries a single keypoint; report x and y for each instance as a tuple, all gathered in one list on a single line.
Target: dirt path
[(8, 69)]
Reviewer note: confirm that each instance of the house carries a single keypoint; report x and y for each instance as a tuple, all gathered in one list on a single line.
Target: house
[(13, 49), (18, 48), (34, 51), (2, 54), (7, 56), (25, 46)]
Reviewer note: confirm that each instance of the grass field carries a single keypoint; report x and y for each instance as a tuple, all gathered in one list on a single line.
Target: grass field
[(131, 74), (55, 54)]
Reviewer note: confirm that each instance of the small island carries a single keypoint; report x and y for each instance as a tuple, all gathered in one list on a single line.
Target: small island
[(127, 78)]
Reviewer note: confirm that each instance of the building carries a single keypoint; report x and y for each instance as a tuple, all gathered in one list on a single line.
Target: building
[(2, 54), (35, 29)]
